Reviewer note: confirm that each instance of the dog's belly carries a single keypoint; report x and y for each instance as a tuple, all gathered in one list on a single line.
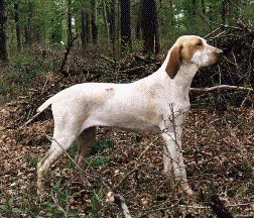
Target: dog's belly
[(138, 126), (125, 121)]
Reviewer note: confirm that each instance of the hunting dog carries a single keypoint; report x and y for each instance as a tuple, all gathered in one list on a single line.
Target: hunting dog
[(155, 104)]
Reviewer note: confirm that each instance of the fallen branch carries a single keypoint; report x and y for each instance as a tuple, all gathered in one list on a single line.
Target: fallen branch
[(120, 202), (220, 87)]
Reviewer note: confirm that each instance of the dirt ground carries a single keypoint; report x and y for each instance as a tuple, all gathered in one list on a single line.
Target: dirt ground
[(218, 151)]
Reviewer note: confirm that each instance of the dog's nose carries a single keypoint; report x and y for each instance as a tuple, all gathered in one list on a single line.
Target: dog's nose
[(219, 51)]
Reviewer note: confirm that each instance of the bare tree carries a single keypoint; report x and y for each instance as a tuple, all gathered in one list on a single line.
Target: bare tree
[(149, 26), (138, 28), (3, 44), (94, 21), (85, 28), (111, 16), (125, 23), (28, 28), (203, 6), (69, 17), (16, 19)]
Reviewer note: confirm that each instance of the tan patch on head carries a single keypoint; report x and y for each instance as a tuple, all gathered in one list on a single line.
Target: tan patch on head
[(182, 50), (190, 45), (174, 61)]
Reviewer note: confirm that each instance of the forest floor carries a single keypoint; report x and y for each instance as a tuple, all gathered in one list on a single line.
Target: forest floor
[(217, 147), (218, 153)]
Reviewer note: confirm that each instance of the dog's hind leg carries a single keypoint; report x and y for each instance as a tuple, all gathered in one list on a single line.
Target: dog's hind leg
[(85, 140), (63, 138)]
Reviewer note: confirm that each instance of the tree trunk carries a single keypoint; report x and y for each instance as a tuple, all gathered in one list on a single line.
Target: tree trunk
[(171, 14), (149, 25), (203, 6), (94, 21), (16, 18), (69, 16), (83, 29), (88, 32), (28, 27), (194, 8), (125, 24), (3, 44), (138, 28), (106, 21), (111, 20), (224, 11)]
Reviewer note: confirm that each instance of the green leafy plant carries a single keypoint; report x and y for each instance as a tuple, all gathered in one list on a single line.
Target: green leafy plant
[(96, 202)]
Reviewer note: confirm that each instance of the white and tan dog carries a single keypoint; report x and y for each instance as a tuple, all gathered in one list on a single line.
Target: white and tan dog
[(155, 104)]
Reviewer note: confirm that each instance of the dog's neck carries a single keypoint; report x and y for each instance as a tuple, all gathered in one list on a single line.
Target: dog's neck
[(182, 79), (179, 85), (185, 75)]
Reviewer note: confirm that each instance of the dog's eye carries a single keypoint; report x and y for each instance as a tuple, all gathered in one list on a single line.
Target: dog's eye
[(199, 43)]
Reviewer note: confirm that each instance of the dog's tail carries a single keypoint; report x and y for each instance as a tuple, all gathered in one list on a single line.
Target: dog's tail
[(39, 110), (45, 105)]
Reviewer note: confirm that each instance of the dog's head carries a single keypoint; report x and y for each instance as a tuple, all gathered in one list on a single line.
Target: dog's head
[(193, 50)]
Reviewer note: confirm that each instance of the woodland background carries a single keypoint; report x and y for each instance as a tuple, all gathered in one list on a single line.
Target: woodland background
[(46, 46)]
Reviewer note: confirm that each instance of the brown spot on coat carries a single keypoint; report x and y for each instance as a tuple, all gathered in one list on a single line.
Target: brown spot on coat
[(109, 89)]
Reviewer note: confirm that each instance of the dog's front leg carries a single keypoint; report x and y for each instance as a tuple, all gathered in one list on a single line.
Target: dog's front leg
[(173, 160)]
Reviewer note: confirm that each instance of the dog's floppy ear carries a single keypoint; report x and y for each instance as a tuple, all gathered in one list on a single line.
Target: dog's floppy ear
[(174, 61)]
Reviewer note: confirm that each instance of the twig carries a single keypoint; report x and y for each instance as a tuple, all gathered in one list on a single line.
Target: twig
[(83, 171), (238, 205), (143, 152), (126, 211), (59, 207), (106, 58), (30, 120), (220, 87), (70, 44), (194, 206), (52, 139), (160, 207), (212, 23), (120, 202), (122, 180), (147, 60), (207, 207), (206, 36)]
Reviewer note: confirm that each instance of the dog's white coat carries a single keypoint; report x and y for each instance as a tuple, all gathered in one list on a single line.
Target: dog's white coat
[(155, 104)]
